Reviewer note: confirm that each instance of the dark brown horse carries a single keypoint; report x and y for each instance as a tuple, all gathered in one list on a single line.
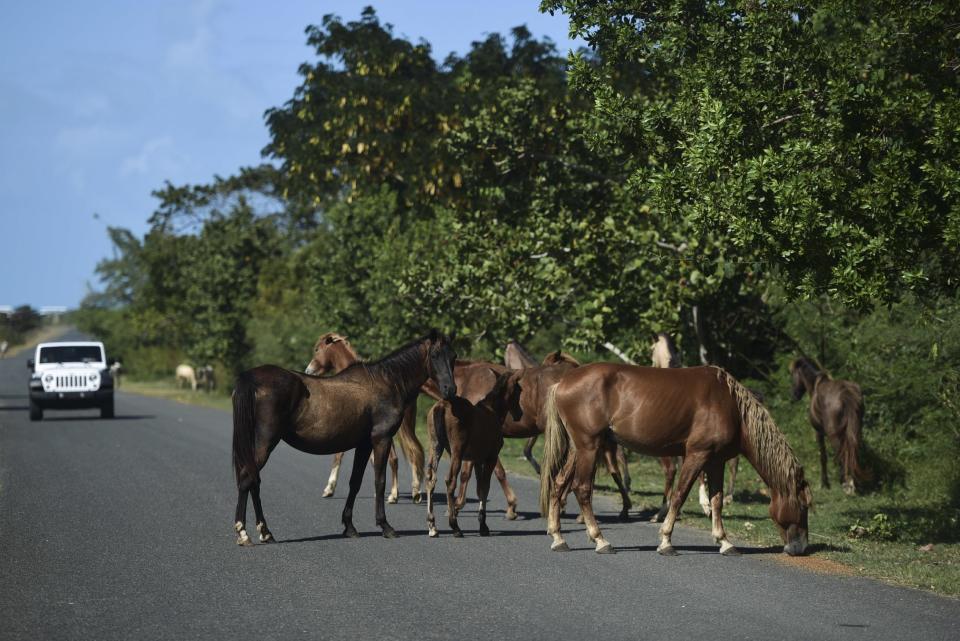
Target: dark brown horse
[(700, 413), (469, 432), (333, 353), (836, 412), (360, 409)]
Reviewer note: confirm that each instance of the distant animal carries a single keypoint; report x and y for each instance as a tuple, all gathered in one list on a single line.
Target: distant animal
[(4, 345), (469, 432), (116, 369), (206, 378), (836, 413), (701, 412), (186, 377), (333, 353), (360, 408)]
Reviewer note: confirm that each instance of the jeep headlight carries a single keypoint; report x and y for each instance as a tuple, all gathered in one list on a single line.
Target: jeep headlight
[(48, 379), (94, 378)]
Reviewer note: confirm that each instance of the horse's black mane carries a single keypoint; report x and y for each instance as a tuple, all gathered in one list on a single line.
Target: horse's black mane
[(399, 361)]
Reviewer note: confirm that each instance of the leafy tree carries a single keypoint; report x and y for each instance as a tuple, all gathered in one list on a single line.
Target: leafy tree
[(820, 137)]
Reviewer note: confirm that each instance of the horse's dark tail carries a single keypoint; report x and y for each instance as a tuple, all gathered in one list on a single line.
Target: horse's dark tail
[(244, 429), (852, 428)]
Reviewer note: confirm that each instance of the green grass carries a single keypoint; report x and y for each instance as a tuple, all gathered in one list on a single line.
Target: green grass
[(887, 548)]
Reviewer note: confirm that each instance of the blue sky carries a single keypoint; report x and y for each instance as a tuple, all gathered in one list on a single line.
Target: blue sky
[(101, 102)]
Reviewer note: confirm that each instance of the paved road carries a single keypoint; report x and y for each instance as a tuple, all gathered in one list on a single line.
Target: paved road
[(122, 530)]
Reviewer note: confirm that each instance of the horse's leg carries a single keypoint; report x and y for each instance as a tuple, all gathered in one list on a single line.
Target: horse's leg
[(557, 498), (360, 456), (265, 535), (381, 452), (431, 474), (334, 473), (822, 446), (528, 453), (611, 458), (704, 497), (461, 499), (507, 490), (669, 466), (714, 472), (484, 470), (623, 467), (412, 449), (240, 518), (394, 469), (583, 489), (689, 469), (455, 462), (732, 466)]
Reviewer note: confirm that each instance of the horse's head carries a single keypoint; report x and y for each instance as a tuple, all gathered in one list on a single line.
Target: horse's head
[(328, 354), (440, 359), (789, 513), (559, 357), (797, 384), (663, 352), (506, 394)]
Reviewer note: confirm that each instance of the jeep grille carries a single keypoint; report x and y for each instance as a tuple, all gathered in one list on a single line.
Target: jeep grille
[(71, 381)]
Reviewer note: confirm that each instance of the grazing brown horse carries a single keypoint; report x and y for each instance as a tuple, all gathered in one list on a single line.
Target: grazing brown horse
[(360, 408), (333, 353), (469, 432), (701, 413), (836, 412)]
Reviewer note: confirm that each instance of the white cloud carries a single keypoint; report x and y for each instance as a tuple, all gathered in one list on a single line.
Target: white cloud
[(155, 154)]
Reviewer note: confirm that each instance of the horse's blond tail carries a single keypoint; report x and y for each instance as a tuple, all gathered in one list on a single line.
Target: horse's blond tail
[(556, 446)]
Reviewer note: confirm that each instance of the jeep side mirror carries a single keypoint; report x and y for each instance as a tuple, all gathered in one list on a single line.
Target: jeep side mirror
[(30, 363)]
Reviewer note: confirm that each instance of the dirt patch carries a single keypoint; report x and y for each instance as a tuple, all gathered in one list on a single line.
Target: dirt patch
[(816, 564)]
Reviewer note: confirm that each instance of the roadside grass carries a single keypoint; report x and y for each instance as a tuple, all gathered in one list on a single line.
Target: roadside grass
[(882, 533)]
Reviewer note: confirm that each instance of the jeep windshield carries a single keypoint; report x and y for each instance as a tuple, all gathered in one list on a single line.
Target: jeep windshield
[(71, 354)]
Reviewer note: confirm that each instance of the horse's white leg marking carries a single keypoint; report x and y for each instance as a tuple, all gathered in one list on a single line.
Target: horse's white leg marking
[(332, 481), (719, 534), (242, 538), (265, 535), (666, 530), (704, 498)]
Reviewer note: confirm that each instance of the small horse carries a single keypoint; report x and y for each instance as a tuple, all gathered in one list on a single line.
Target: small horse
[(206, 379), (360, 408), (836, 412), (4, 345), (186, 376), (469, 432), (333, 353), (702, 413)]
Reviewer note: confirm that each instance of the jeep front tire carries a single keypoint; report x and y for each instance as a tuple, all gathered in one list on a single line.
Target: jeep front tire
[(36, 412), (106, 410)]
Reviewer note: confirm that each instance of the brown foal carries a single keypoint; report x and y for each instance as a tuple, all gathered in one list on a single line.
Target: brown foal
[(469, 433)]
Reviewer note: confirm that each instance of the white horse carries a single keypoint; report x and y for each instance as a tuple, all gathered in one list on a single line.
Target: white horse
[(186, 376), (4, 345), (115, 370)]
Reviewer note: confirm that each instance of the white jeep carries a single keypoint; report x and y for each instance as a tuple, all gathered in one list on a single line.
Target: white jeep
[(70, 375)]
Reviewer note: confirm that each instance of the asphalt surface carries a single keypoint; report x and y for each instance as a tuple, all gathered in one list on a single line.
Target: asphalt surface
[(122, 529)]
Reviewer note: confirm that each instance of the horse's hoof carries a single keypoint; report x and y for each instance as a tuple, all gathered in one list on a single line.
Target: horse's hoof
[(327, 493), (511, 514), (389, 533), (484, 531), (391, 499), (579, 518), (417, 498), (560, 546), (606, 548), (667, 550), (458, 534), (351, 532), (267, 538), (244, 541), (624, 516), (727, 549), (433, 533)]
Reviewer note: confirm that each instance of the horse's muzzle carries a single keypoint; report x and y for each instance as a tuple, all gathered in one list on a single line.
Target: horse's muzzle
[(448, 392), (796, 547)]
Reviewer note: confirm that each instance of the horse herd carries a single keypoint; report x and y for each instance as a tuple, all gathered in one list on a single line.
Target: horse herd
[(587, 414)]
